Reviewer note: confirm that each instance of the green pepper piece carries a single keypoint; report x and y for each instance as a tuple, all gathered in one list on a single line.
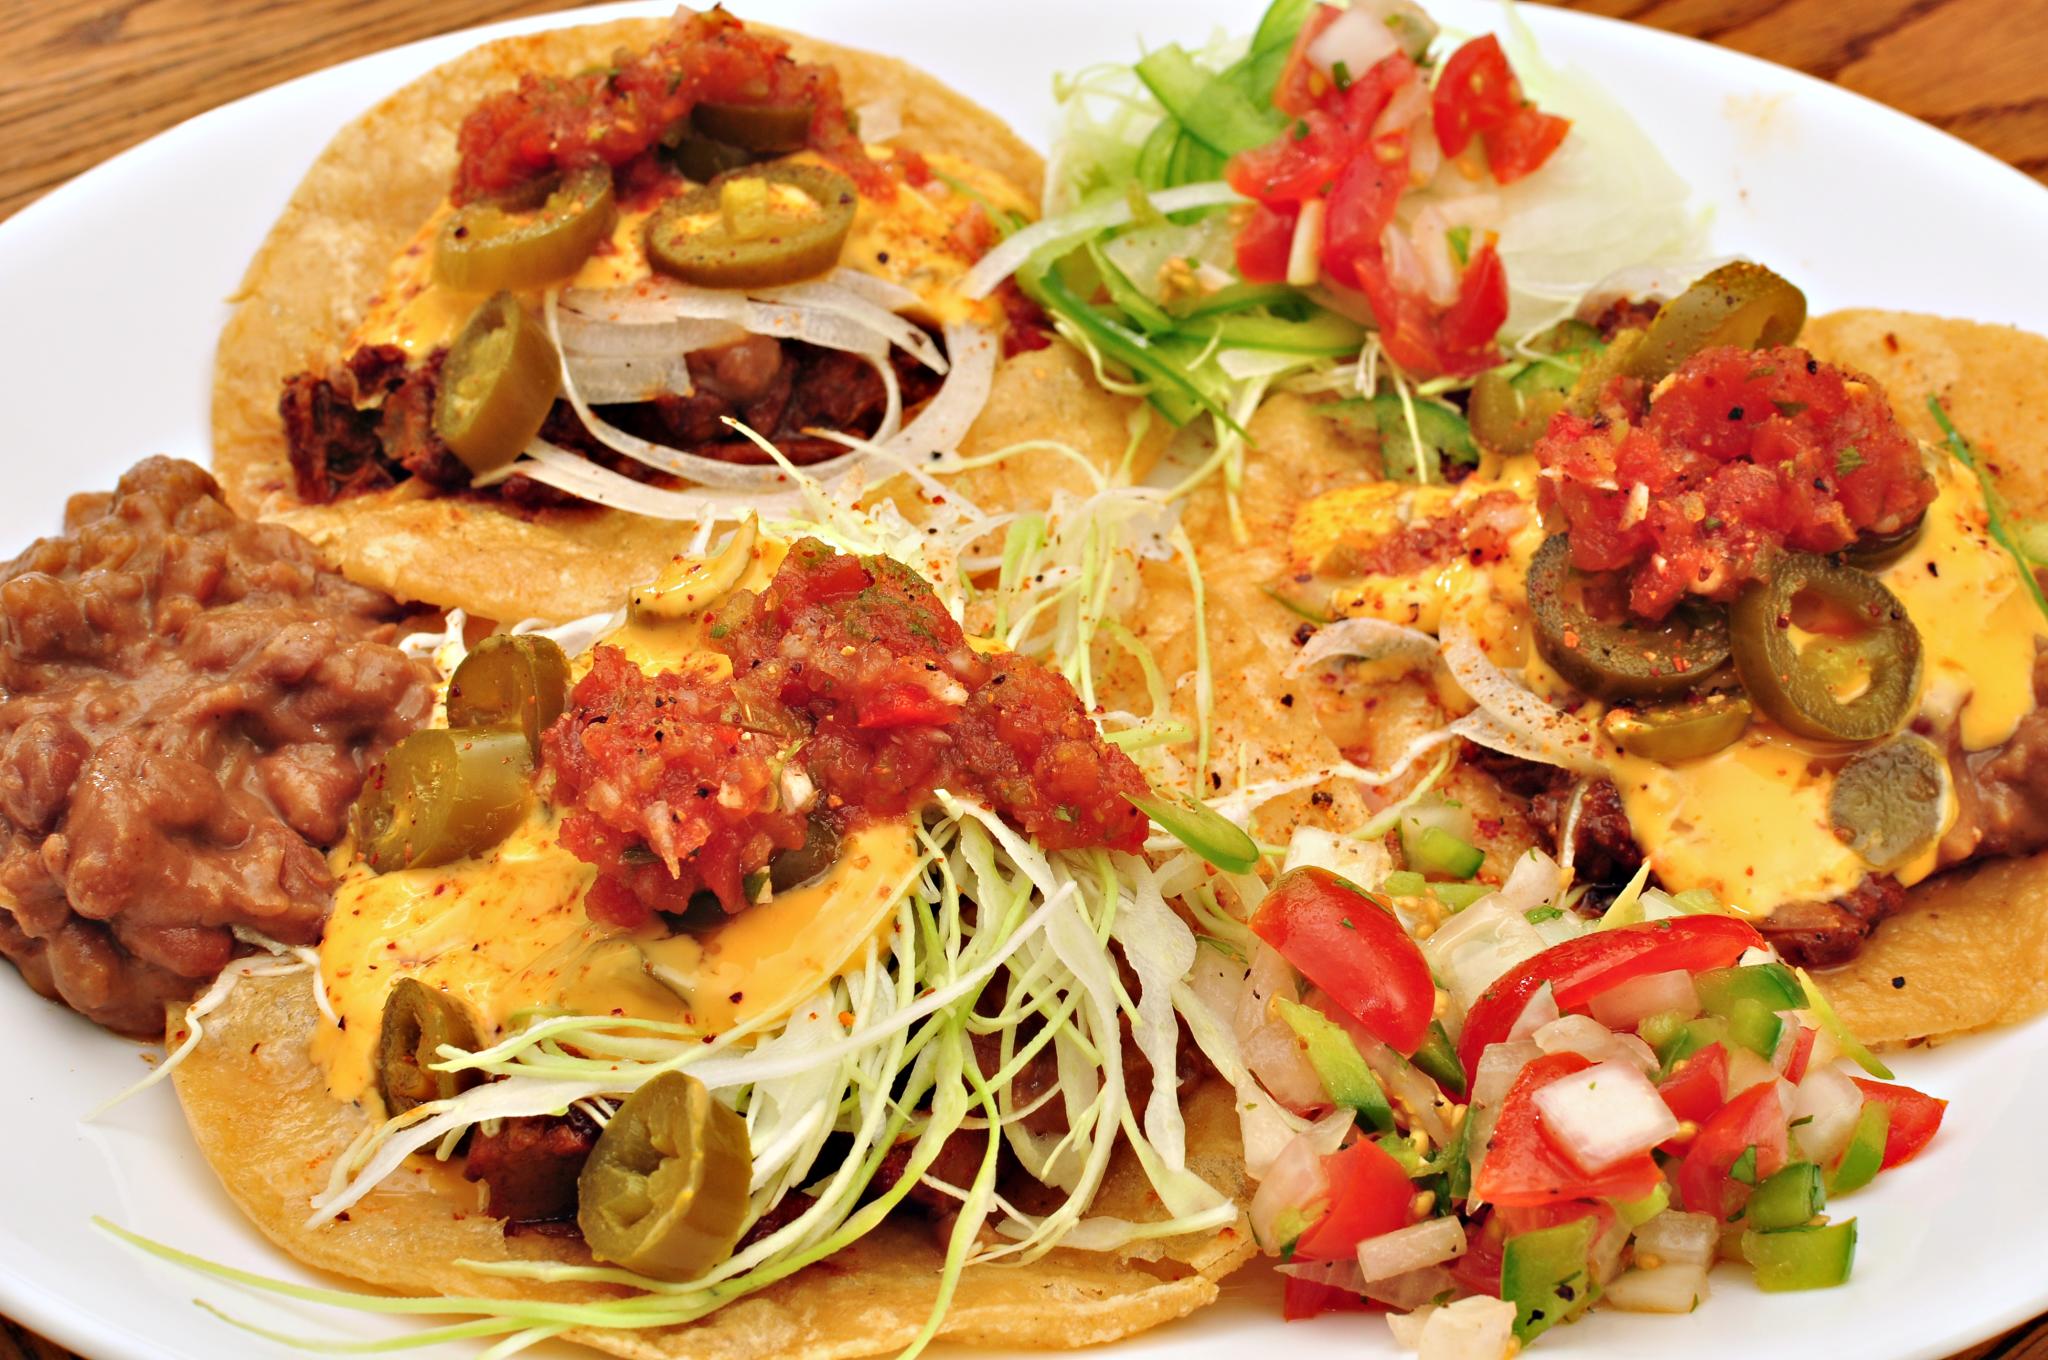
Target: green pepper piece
[(1404, 883), (1437, 851), (1755, 1026), (1686, 729), (665, 1190), (1458, 896), (1438, 1057), (1547, 1275), (1660, 1029), (1863, 1158), (511, 680), (1349, 1082), (1887, 802), (1783, 683), (497, 384), (486, 246), (761, 128), (1626, 659), (1771, 984), (1739, 304), (754, 228), (1815, 1257), (1689, 1038), (1634, 1213), (1789, 1198), (442, 794), (418, 1021)]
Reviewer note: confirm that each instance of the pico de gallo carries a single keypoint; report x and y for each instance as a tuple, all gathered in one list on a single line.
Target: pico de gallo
[(1506, 1113)]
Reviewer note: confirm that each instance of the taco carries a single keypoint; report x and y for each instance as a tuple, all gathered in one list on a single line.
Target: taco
[(706, 866), (803, 285), (1625, 721)]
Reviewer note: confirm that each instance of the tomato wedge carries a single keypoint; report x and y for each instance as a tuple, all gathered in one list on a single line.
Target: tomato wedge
[(1915, 1117), (1579, 970), (1524, 1168), (1753, 1119), (1523, 142), (1369, 1194), (1348, 943), (1264, 243), (1694, 1089), (1476, 93)]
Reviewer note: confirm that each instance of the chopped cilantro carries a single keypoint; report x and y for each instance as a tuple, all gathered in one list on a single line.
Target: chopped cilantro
[(1744, 1169), (1538, 915), (1848, 460), (1461, 243), (1341, 73), (1789, 409)]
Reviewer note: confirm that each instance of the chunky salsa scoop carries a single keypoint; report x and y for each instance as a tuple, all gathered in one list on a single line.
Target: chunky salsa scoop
[(854, 695), (1692, 487)]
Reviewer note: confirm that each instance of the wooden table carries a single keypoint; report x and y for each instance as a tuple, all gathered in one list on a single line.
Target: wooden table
[(82, 79)]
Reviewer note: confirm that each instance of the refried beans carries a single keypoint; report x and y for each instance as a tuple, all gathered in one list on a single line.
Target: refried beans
[(188, 701)]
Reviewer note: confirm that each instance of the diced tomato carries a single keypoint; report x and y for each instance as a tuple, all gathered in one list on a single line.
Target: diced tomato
[(1301, 86), (1478, 1270), (1369, 1194), (1476, 93), (1523, 142), (1915, 1117), (1518, 1219), (904, 706), (1754, 1119), (1349, 944), (1694, 1090), (1304, 161), (1301, 1299), (1524, 1167), (1362, 202), (1580, 969), (1802, 1054), (1264, 244)]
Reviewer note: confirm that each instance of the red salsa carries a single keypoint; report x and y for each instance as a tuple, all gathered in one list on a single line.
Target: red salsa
[(1740, 453), (615, 115), (854, 696)]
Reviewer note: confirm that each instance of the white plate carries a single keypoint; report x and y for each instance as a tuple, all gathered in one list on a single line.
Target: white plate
[(113, 290)]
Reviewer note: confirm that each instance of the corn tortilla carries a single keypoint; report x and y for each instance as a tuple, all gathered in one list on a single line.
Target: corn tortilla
[(310, 283)]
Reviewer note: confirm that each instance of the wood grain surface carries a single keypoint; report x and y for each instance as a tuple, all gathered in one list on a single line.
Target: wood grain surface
[(83, 79)]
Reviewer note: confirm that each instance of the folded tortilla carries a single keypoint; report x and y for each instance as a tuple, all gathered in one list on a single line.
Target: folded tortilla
[(311, 283)]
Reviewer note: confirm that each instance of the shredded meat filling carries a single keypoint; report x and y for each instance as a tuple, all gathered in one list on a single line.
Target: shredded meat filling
[(188, 701)]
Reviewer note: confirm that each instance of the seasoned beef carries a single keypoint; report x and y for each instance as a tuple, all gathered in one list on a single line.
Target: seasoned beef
[(530, 1165), (1823, 934)]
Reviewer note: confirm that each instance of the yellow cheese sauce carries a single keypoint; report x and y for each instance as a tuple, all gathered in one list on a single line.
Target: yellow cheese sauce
[(506, 931), (907, 240), (1750, 823)]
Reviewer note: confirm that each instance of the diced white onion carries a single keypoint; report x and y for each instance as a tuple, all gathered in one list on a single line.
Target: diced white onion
[(1271, 1049), (1475, 947), (1829, 1102), (1679, 1238), (1296, 1180), (1361, 861), (1335, 1274), (1367, 638), (1430, 1242), (1499, 1065), (1305, 250), (880, 120), (1478, 1328), (1671, 1288), (1412, 1290), (1431, 238), (1746, 1069), (1587, 1037), (1356, 38), (1625, 1006), (1084, 222), (1605, 1113), (1408, 1087), (1538, 1012), (1566, 740)]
